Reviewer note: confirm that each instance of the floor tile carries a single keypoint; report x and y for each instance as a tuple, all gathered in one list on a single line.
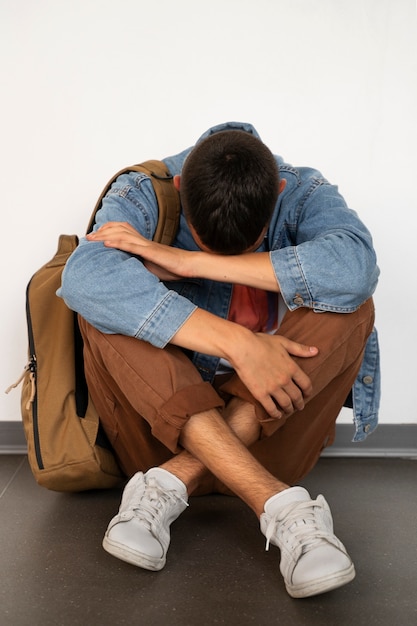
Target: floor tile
[(10, 464)]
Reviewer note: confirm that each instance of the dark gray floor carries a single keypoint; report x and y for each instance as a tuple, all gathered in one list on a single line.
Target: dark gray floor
[(55, 573)]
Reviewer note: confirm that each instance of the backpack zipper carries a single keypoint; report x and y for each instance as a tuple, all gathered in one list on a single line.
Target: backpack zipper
[(33, 400), (31, 403)]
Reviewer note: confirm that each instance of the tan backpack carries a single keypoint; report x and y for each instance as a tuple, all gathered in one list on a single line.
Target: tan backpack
[(67, 448)]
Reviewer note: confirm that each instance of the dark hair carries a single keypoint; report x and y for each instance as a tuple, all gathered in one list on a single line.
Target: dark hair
[(229, 187)]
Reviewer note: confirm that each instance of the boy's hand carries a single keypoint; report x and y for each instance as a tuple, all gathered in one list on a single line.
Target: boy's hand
[(265, 365), (165, 262)]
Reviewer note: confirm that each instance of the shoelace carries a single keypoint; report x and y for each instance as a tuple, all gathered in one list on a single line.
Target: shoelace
[(300, 530), (153, 502)]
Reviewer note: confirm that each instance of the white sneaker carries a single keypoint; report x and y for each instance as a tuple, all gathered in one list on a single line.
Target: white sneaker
[(139, 533), (313, 560)]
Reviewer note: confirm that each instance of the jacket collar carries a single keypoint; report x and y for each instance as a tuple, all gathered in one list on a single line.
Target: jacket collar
[(248, 128)]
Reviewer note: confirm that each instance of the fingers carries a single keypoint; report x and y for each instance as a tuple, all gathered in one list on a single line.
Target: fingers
[(273, 376), (283, 387), (297, 349), (285, 396), (289, 399), (113, 229), (119, 235), (291, 386)]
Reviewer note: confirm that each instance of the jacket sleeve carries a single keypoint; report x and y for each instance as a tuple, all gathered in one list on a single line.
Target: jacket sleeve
[(323, 257), (112, 289)]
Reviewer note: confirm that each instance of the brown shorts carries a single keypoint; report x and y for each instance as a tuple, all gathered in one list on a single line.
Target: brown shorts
[(145, 395)]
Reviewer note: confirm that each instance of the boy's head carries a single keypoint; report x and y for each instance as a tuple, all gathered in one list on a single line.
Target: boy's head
[(229, 187)]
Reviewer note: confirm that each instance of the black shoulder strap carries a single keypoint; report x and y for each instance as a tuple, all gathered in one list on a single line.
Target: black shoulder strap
[(167, 196)]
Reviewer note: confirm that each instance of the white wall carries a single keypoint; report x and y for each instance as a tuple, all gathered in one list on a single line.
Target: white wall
[(89, 86)]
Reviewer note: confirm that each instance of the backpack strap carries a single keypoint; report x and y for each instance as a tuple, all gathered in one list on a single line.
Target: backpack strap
[(168, 198)]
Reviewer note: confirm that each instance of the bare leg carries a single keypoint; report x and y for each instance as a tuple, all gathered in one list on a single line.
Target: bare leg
[(241, 418), (208, 438)]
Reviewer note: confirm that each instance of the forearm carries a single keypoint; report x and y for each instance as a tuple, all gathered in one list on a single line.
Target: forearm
[(209, 334), (252, 269)]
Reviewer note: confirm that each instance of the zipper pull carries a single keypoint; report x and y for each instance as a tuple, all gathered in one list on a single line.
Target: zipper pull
[(29, 367), (32, 391)]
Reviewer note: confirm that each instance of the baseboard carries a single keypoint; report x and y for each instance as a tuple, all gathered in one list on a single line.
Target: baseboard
[(12, 438), (389, 440)]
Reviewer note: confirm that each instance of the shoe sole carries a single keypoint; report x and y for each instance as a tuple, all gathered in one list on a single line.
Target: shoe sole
[(322, 585), (123, 553)]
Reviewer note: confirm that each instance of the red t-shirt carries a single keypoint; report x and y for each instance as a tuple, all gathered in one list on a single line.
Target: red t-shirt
[(255, 309)]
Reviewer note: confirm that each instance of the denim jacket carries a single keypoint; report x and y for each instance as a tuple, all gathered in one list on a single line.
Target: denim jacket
[(321, 252)]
